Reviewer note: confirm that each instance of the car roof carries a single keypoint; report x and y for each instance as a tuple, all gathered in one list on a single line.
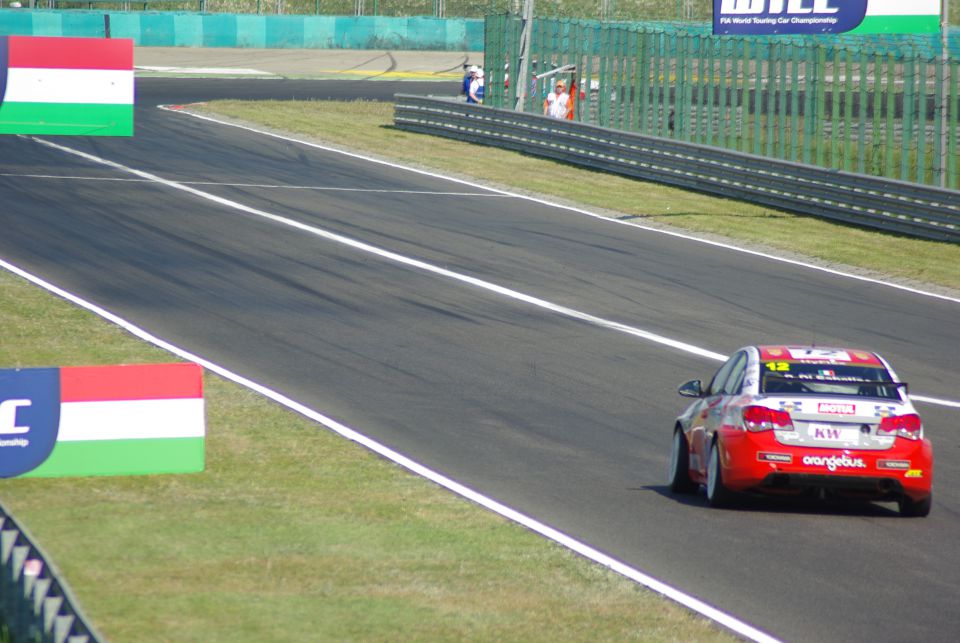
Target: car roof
[(818, 354)]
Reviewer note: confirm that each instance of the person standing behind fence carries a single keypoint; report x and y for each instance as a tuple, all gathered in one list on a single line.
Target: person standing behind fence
[(467, 80), (557, 102), (476, 89)]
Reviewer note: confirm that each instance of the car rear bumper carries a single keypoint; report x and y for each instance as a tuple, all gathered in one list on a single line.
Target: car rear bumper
[(758, 462)]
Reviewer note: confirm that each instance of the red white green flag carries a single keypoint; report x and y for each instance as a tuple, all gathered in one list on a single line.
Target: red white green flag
[(66, 86), (101, 420)]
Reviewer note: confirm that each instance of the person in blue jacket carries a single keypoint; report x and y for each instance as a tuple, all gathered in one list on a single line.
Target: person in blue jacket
[(467, 79)]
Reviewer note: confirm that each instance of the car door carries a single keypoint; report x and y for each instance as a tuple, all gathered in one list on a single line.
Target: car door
[(709, 413)]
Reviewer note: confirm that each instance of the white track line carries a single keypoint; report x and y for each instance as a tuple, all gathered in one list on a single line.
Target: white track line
[(736, 625), (415, 263), (398, 258), (569, 208), (266, 186)]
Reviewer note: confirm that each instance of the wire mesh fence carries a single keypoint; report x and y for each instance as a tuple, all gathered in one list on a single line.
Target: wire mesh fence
[(612, 10), (858, 105)]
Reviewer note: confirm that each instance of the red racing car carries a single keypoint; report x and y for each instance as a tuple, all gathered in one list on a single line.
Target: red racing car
[(803, 419)]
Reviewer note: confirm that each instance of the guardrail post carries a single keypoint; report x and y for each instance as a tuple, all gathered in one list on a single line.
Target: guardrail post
[(909, 106), (888, 166)]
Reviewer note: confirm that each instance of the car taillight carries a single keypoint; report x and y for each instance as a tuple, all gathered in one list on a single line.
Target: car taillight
[(903, 426), (760, 418)]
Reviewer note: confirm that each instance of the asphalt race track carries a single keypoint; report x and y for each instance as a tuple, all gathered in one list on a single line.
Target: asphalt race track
[(561, 419)]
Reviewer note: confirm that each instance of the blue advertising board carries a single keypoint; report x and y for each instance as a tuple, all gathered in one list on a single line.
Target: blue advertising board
[(782, 17), (29, 418)]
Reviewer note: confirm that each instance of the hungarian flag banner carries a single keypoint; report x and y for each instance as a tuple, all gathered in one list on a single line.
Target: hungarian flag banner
[(72, 86), (101, 420)]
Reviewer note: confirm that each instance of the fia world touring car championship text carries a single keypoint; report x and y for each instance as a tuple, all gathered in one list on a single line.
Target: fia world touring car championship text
[(780, 20)]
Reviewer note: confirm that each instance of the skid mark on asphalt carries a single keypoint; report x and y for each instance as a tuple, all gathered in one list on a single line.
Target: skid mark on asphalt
[(423, 265), (265, 186)]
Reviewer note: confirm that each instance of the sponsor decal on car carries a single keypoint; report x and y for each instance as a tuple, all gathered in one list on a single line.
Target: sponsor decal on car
[(914, 473), (784, 458), (896, 465), (830, 432), (819, 354), (882, 411), (836, 409), (834, 462), (795, 406)]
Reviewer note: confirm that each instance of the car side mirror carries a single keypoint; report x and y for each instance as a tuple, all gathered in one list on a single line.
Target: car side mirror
[(693, 388)]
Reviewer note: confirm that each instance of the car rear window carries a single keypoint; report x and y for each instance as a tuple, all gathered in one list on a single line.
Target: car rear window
[(806, 378)]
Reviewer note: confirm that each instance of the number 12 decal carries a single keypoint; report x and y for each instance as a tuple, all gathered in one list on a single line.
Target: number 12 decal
[(778, 367)]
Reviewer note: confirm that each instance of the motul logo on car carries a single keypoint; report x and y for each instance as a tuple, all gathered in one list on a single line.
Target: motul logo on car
[(837, 409), (834, 462), (749, 7)]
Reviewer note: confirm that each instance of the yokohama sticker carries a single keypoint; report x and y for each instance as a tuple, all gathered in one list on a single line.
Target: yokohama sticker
[(896, 465), (784, 458), (834, 462)]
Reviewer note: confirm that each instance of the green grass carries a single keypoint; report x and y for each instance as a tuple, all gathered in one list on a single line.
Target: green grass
[(293, 533), (367, 126)]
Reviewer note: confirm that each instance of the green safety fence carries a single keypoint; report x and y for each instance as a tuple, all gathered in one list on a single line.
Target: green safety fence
[(169, 29), (613, 10), (857, 107)]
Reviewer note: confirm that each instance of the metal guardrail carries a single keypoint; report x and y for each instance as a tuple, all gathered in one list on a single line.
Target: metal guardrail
[(35, 605), (885, 204)]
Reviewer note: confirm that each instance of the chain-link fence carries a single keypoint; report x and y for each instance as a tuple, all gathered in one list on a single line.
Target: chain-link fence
[(614, 10), (859, 104)]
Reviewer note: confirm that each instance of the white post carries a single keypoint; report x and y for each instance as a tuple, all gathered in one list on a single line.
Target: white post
[(944, 89), (522, 78)]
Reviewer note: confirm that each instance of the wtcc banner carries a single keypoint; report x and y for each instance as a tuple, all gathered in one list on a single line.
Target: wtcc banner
[(781, 17), (73, 86), (101, 420)]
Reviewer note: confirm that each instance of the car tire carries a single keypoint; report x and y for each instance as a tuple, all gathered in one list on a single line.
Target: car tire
[(717, 493), (679, 475), (910, 508)]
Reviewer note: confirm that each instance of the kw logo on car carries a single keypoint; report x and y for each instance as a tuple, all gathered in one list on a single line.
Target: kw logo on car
[(826, 433), (837, 409), (834, 462)]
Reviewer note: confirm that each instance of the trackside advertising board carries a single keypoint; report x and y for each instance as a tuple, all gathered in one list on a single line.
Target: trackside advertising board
[(72, 86), (783, 17), (101, 420)]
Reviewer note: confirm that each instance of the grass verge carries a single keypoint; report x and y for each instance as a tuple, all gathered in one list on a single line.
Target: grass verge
[(368, 127), (293, 533)]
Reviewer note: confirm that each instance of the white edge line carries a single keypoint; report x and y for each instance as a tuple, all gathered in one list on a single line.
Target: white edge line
[(934, 400), (672, 233), (698, 606), (404, 260), (397, 257), (318, 188)]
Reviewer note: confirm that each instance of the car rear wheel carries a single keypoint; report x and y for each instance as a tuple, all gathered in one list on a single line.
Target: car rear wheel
[(680, 481), (717, 493), (910, 508)]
